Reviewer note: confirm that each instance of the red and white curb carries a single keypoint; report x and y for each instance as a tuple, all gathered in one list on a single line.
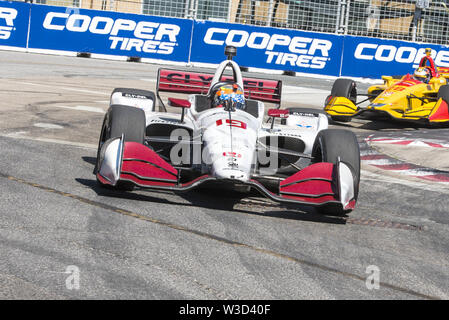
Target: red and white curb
[(373, 158), (409, 142)]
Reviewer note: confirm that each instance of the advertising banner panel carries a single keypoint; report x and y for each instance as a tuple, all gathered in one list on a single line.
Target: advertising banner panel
[(373, 57), (268, 48), (14, 19), (112, 33)]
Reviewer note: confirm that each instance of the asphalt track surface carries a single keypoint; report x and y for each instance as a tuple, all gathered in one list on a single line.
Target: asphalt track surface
[(197, 245)]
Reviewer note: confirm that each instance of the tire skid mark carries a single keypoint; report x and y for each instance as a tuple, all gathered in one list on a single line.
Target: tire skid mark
[(208, 236)]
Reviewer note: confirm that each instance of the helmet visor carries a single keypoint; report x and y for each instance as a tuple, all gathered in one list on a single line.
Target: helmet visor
[(230, 94)]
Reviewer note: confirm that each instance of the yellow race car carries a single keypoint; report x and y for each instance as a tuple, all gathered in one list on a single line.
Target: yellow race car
[(401, 98)]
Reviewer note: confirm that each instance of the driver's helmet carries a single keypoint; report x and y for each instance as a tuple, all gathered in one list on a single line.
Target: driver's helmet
[(229, 92), (422, 74)]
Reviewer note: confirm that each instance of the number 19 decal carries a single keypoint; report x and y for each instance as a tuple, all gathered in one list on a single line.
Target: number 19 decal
[(232, 123)]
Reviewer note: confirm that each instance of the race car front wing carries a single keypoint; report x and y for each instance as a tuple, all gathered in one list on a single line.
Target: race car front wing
[(319, 184)]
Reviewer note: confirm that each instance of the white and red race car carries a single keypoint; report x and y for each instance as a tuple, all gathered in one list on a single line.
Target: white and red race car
[(296, 160)]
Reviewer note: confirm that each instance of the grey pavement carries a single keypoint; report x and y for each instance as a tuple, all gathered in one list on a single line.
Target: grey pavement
[(197, 245)]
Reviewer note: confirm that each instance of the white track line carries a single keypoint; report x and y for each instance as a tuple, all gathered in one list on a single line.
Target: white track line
[(17, 135), (148, 80), (83, 108), (62, 87), (48, 125)]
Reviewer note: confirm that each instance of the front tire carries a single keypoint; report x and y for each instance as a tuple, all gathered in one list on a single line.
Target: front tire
[(346, 88), (130, 122), (331, 144)]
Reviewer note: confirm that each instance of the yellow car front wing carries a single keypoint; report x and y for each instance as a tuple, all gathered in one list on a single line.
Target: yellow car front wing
[(341, 106), (432, 112)]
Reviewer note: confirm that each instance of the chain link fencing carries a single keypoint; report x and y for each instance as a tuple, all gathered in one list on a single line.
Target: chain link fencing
[(414, 20)]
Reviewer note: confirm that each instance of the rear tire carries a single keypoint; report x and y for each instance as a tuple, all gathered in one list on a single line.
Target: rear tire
[(330, 144), (130, 122), (346, 88)]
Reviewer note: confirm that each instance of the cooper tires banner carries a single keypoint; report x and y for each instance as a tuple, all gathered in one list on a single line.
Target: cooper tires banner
[(14, 17), (42, 27), (268, 48), (112, 33)]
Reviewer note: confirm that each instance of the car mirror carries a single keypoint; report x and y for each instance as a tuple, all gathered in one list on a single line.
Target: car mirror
[(179, 103)]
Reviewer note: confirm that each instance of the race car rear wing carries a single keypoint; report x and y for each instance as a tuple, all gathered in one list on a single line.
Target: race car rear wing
[(178, 81)]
